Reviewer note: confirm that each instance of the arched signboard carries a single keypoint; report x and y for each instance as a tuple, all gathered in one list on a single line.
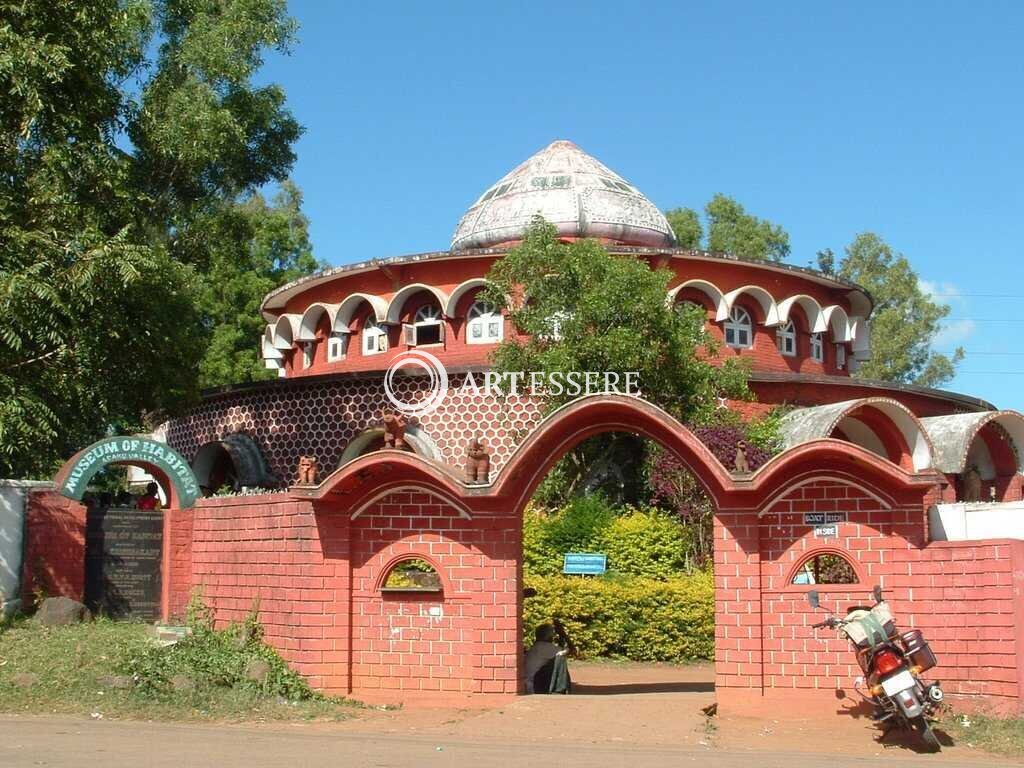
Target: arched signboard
[(75, 475)]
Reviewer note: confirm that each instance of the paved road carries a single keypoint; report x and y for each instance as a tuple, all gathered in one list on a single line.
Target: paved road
[(73, 743)]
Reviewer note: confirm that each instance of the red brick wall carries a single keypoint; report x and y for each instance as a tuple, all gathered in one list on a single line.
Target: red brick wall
[(963, 595), (177, 563), (465, 640), (54, 546)]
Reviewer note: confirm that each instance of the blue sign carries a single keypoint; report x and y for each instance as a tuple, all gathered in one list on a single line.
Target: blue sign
[(588, 563)]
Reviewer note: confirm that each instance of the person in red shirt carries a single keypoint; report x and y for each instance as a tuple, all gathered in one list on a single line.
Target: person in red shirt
[(149, 500)]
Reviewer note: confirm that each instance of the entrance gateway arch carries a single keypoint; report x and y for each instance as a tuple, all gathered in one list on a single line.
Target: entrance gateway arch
[(317, 558)]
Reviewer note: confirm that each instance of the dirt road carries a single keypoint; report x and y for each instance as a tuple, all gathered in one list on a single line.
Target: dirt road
[(640, 715)]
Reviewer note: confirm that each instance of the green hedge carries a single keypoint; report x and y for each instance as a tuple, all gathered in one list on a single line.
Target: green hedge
[(633, 618), (638, 542)]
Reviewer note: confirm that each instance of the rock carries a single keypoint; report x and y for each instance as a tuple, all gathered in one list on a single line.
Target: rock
[(257, 670), (182, 684), (61, 612), (120, 682), (25, 679)]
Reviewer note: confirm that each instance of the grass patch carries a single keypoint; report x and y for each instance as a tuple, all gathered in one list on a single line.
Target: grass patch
[(1003, 736), (117, 670)]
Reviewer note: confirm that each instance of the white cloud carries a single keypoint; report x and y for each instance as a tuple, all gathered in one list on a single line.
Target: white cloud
[(956, 331)]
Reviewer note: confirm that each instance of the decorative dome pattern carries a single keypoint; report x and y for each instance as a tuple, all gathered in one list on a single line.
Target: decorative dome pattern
[(573, 191)]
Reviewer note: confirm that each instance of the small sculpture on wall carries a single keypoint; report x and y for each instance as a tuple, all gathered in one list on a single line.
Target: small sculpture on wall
[(308, 466), (740, 464), (478, 462), (394, 432), (971, 484)]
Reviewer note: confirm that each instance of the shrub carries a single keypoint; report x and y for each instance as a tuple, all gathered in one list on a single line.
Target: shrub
[(645, 543), (577, 527), (624, 617)]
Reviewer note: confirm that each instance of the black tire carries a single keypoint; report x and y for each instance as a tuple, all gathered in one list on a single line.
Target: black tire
[(924, 731)]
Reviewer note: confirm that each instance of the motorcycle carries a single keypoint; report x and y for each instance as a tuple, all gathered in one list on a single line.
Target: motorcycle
[(892, 664)]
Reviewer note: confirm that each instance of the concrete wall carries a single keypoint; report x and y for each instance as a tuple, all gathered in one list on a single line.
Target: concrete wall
[(977, 520), (13, 494)]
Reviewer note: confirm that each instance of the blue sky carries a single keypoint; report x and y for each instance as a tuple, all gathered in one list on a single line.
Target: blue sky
[(900, 118)]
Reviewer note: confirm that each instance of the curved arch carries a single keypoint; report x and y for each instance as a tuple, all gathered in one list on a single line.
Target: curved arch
[(267, 349), (286, 331), (710, 290), (155, 457), (807, 424), (347, 310), (806, 557), (839, 322), (249, 467), (586, 416), (311, 318), (449, 308), (397, 302), (954, 435), (761, 296), (413, 554), (815, 318), (421, 443)]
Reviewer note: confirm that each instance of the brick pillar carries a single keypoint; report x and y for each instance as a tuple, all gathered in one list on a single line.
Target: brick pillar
[(336, 542), (176, 567), (738, 608)]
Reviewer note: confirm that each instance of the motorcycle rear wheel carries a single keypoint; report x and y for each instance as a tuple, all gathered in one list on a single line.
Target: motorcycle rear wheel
[(924, 730)]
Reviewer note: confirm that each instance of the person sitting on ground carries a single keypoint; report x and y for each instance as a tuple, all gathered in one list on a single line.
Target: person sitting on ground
[(542, 659), (150, 499)]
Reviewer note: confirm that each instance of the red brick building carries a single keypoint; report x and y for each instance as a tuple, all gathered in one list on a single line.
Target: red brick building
[(877, 455)]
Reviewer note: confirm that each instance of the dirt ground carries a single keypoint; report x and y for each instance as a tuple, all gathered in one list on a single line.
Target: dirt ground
[(656, 705), (642, 714)]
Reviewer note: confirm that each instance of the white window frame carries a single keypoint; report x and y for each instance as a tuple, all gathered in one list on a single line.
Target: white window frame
[(739, 322), (785, 339), (817, 348), (484, 324), (427, 316), (375, 337), (308, 354), (337, 344)]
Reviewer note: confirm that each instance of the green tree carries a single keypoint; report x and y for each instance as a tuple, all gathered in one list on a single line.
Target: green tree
[(108, 163), (251, 248), (589, 310), (685, 223), (732, 230), (905, 320)]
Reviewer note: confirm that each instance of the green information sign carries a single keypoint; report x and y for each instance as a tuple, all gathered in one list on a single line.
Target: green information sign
[(74, 476)]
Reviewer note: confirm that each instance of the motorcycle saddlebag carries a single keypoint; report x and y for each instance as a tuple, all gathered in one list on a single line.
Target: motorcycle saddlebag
[(869, 628)]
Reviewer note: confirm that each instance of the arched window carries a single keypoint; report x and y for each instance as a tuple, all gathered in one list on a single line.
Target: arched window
[(485, 325), (785, 337), (825, 568), (412, 575), (817, 348), (375, 338), (739, 329), (426, 327)]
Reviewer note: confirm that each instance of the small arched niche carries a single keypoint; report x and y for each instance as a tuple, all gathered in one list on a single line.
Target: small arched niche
[(824, 567), (371, 440), (412, 574)]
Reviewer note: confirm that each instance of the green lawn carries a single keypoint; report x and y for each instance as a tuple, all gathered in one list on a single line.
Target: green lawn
[(116, 670)]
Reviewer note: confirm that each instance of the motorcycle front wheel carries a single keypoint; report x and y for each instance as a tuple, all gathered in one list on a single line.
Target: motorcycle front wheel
[(924, 730)]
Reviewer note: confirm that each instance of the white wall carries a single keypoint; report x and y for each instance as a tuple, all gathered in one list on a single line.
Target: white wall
[(977, 520), (12, 530)]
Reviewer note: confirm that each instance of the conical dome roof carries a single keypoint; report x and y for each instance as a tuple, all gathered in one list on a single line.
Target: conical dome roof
[(573, 191)]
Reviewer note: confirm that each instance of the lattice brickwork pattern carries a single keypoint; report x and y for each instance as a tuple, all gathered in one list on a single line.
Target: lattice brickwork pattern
[(319, 418)]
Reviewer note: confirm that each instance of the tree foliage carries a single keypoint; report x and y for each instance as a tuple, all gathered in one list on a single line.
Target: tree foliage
[(110, 163), (905, 320), (730, 229), (584, 309)]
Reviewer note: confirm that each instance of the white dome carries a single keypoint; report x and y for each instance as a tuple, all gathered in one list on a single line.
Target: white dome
[(571, 190)]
